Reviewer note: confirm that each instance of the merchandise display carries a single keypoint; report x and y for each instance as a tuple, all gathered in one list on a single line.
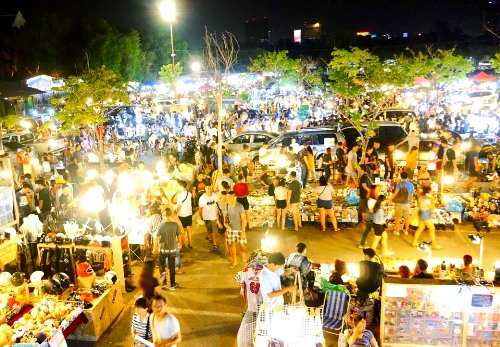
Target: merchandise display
[(440, 313), (289, 326), (45, 319)]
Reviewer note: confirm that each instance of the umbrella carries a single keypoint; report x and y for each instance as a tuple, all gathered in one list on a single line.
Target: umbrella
[(9, 89), (482, 77), (421, 80)]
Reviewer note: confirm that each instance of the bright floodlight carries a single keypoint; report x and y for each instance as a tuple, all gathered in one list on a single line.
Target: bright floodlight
[(167, 11), (196, 67)]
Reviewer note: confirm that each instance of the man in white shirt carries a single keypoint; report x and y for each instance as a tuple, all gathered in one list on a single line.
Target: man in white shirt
[(208, 213), (352, 160), (270, 280)]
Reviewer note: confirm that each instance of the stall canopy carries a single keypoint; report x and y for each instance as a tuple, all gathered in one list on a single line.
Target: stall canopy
[(482, 77), (9, 89), (421, 80)]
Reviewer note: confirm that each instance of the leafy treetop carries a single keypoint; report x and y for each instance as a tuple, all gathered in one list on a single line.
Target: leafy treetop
[(82, 101)]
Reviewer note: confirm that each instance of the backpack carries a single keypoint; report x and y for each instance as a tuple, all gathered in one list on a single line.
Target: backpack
[(402, 196)]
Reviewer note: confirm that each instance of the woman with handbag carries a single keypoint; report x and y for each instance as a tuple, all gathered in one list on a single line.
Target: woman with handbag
[(325, 203), (426, 205), (140, 322)]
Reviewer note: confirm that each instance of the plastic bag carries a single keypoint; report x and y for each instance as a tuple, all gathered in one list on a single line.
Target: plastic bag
[(352, 198), (326, 286)]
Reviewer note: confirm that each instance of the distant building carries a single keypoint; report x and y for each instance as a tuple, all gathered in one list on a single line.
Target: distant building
[(312, 31), (257, 30)]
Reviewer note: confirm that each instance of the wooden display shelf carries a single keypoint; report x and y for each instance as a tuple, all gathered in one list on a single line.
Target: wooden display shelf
[(40, 246), (8, 251), (105, 310)]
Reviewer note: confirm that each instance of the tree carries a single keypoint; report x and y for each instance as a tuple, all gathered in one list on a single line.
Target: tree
[(119, 52), (362, 80), (221, 54), (8, 117), (81, 102), (280, 67), (308, 73), (170, 76), (495, 62), (157, 50), (440, 65)]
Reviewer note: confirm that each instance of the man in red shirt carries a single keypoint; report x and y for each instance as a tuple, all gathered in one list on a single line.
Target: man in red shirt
[(241, 191)]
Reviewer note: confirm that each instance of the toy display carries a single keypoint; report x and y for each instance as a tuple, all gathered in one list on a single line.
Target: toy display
[(440, 315), (43, 321)]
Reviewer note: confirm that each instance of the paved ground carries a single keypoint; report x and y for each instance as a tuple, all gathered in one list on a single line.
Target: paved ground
[(208, 304)]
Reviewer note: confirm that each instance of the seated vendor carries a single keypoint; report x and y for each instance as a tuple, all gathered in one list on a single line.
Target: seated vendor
[(370, 274), (468, 267), (336, 276), (420, 270)]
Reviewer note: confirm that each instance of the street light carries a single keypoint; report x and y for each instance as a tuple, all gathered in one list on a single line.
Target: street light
[(168, 13), (196, 67)]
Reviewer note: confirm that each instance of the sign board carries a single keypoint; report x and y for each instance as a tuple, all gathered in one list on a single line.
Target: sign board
[(329, 142), (58, 340), (482, 300)]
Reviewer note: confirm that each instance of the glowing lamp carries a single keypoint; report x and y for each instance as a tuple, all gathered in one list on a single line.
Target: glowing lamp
[(236, 158), (281, 162), (25, 124), (167, 11), (448, 180)]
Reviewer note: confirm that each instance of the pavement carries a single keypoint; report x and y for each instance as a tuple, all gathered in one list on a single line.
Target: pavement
[(209, 306), (207, 301)]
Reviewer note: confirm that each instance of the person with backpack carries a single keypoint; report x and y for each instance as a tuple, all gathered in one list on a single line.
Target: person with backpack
[(402, 197)]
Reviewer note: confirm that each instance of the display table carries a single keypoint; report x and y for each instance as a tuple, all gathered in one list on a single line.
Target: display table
[(8, 251), (419, 312), (104, 311)]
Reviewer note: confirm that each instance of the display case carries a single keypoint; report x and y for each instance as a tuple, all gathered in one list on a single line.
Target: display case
[(418, 312)]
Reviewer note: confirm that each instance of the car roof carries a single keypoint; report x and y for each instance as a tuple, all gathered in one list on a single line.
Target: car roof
[(309, 130), (378, 122), (258, 132)]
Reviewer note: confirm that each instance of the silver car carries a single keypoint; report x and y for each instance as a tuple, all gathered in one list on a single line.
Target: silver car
[(254, 140)]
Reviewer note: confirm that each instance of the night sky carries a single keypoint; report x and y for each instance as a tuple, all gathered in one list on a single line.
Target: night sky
[(381, 16)]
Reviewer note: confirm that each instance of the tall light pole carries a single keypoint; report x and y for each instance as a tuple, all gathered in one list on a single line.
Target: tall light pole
[(168, 13)]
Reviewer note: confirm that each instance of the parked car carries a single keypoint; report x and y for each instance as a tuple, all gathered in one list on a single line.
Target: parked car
[(53, 145), (425, 145), (320, 138), (254, 140), (387, 133)]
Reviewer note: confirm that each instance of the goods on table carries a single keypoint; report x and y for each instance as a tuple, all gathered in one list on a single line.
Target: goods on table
[(43, 321), (289, 325), (261, 208), (10, 305)]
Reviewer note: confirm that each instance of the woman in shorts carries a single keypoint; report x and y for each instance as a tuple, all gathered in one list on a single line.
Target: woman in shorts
[(325, 203), (426, 205), (280, 194), (379, 220)]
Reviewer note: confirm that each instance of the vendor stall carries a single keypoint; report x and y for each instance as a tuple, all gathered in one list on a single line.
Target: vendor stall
[(439, 312)]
